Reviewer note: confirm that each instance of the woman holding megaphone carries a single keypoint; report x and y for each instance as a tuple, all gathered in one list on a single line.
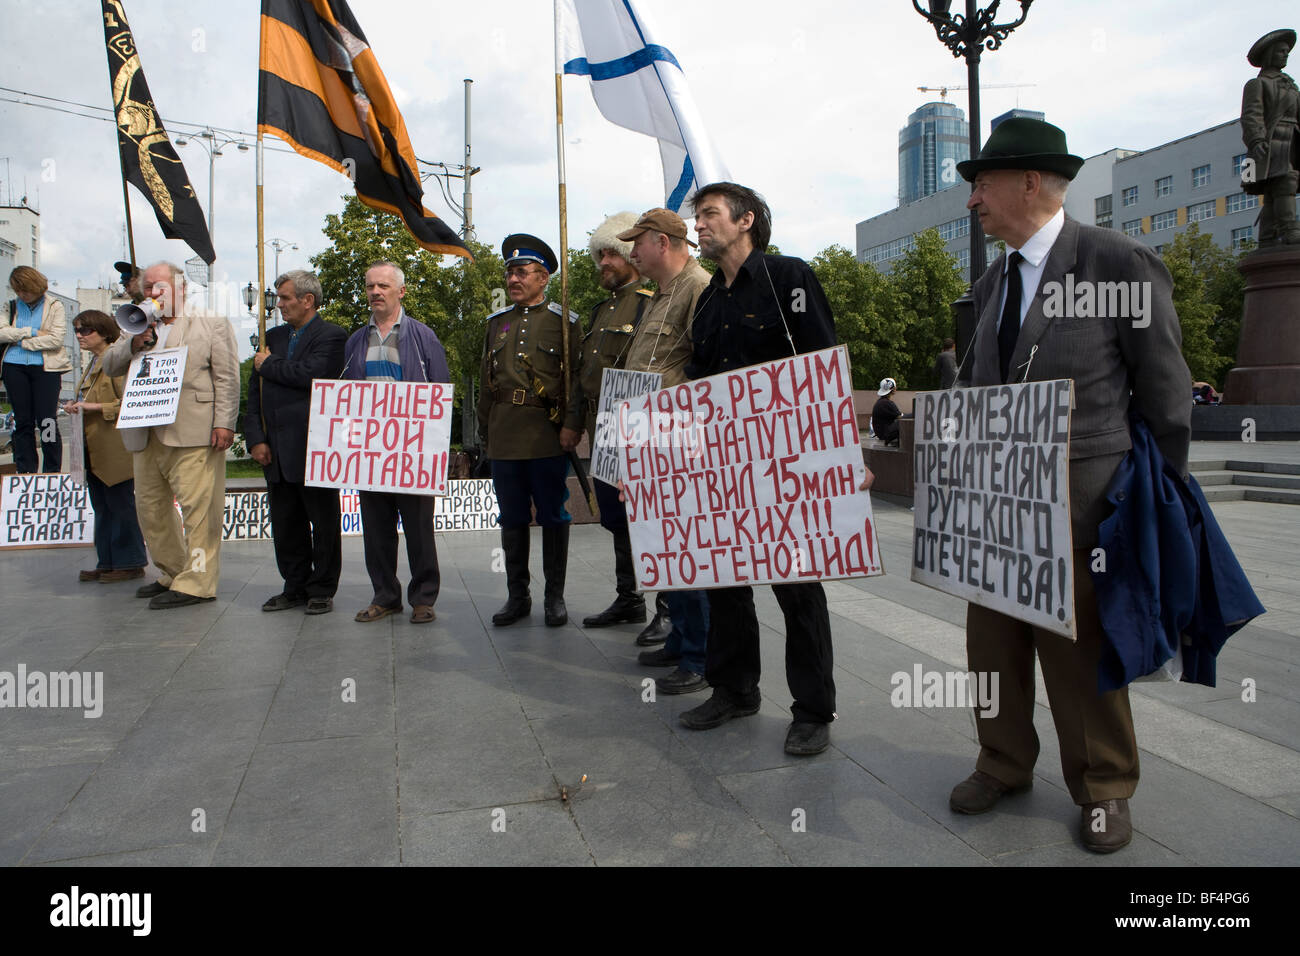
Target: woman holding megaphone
[(109, 466)]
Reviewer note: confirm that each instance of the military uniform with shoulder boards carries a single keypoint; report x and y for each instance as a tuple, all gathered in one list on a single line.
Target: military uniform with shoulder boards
[(521, 409)]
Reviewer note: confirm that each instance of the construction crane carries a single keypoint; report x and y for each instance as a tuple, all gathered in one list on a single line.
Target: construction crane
[(943, 90)]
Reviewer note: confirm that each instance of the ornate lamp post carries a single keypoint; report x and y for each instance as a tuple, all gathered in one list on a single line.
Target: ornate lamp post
[(968, 36)]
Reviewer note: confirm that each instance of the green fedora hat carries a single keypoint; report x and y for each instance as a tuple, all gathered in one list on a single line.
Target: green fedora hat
[(1023, 143)]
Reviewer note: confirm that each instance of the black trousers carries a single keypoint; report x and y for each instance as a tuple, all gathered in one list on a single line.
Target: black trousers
[(34, 395), (305, 524), (732, 661), (379, 512)]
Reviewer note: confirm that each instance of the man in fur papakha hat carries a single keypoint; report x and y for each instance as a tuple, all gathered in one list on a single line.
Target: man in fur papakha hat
[(611, 327)]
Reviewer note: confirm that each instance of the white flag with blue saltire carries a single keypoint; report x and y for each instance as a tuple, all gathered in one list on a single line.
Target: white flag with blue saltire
[(638, 84)]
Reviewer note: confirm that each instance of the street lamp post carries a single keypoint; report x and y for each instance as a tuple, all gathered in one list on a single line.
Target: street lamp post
[(278, 245), (212, 141), (968, 36)]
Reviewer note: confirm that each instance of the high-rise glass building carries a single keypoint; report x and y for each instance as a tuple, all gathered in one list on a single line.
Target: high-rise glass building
[(935, 139)]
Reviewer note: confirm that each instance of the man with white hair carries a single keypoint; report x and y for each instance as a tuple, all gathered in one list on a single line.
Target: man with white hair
[(613, 324), (394, 347), (183, 462)]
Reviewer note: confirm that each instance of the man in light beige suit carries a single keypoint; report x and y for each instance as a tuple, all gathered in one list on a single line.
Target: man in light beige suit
[(185, 460)]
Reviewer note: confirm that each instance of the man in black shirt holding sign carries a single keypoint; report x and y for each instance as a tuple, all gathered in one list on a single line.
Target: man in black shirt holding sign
[(759, 308)]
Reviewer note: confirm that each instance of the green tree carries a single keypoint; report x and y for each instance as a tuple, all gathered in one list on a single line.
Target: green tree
[(1207, 294), (862, 303), (925, 282)]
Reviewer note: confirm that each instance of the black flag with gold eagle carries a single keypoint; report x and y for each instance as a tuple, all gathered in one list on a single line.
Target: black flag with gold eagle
[(320, 89), (149, 161)]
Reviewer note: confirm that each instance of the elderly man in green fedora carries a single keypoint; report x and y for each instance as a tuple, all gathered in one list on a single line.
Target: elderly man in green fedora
[(1117, 363), (1270, 112)]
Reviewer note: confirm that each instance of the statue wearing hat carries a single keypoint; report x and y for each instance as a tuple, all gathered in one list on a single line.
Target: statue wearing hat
[(1270, 111)]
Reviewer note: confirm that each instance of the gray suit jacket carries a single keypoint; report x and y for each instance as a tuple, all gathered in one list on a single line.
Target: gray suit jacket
[(1113, 363)]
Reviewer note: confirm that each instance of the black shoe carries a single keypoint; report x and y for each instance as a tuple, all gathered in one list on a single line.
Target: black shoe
[(282, 602), (660, 657), (153, 589), (719, 709), (626, 609), (807, 737), (681, 682), (170, 599), (657, 631), (555, 563), (515, 609)]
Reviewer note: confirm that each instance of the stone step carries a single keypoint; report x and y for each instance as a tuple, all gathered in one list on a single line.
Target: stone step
[(1270, 467), (1209, 479), (1256, 479), (1281, 496)]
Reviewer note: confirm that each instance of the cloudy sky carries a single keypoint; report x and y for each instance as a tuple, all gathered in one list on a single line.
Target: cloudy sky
[(803, 100)]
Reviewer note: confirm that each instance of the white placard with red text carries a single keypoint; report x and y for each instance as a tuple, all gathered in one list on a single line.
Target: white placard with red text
[(749, 477), (379, 436)]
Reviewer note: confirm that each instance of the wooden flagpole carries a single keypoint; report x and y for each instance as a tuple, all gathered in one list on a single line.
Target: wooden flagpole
[(564, 212)]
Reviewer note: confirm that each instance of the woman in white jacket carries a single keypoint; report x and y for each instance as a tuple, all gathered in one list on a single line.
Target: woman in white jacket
[(35, 359)]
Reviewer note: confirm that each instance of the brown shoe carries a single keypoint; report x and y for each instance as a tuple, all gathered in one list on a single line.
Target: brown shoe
[(422, 614), (979, 793), (94, 575), (1105, 825), (373, 612), (125, 574)]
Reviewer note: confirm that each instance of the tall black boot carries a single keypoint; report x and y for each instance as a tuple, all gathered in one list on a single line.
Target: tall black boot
[(555, 562), (628, 607), (514, 542)]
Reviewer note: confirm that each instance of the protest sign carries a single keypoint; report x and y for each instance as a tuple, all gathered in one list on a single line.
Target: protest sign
[(748, 477), (469, 505), (76, 449), (616, 385), (379, 436), (247, 516), (153, 388), (42, 511), (992, 501)]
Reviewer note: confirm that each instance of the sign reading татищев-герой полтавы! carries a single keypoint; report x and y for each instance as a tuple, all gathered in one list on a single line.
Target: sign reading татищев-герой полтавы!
[(991, 509)]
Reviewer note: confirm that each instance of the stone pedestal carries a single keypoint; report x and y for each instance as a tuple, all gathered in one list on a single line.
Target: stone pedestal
[(1268, 356)]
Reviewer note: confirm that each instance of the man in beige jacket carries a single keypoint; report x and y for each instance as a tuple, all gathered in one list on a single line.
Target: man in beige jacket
[(184, 460)]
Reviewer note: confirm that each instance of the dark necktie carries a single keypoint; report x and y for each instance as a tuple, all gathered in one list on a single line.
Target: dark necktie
[(1009, 329)]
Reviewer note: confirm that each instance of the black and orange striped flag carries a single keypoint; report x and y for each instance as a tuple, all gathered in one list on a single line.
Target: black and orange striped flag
[(320, 89)]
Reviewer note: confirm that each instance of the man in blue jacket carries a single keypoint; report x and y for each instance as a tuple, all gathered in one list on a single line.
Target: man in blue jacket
[(393, 347)]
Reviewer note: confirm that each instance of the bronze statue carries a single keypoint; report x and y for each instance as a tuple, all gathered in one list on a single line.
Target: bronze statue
[(1270, 112)]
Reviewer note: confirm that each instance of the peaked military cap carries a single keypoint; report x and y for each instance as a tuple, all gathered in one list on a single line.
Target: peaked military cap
[(522, 247)]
